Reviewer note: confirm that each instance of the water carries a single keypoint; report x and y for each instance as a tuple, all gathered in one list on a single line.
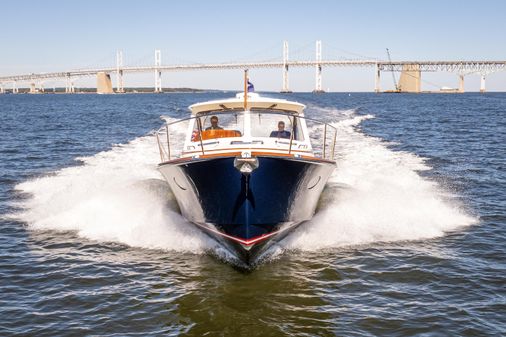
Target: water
[(408, 238)]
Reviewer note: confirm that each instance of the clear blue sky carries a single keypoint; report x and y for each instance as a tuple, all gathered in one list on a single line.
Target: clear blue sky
[(38, 36)]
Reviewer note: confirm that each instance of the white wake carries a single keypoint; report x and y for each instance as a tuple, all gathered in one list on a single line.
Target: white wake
[(117, 195), (376, 194)]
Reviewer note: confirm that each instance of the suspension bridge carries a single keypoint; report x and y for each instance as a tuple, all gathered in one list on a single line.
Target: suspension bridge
[(410, 79)]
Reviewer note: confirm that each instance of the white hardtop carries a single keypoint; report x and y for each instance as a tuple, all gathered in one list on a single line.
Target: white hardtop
[(254, 101)]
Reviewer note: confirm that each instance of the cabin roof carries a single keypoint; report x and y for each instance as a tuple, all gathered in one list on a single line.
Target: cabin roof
[(254, 101)]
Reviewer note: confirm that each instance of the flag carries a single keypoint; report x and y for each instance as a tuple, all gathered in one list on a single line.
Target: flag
[(251, 87)]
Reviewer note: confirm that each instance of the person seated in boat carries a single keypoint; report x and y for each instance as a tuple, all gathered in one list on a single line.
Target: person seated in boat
[(281, 132), (214, 124)]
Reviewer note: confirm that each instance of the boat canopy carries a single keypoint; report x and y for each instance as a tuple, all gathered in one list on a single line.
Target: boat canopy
[(254, 102)]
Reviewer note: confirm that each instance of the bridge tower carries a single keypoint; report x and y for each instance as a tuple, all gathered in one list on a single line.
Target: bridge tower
[(33, 88), (67, 84), (318, 88), (119, 72), (482, 83), (377, 79), (285, 88), (158, 72), (461, 83)]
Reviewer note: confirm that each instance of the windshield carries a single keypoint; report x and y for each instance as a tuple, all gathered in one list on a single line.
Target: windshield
[(268, 124), (264, 123), (219, 125), (273, 130)]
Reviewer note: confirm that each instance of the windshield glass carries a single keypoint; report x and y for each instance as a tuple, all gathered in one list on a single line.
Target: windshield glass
[(219, 125), (265, 123), (275, 125)]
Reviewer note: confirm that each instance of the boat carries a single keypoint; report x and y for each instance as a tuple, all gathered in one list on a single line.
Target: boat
[(242, 176)]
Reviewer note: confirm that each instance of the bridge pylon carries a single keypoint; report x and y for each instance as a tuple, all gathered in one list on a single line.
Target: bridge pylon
[(377, 79), (158, 72), (461, 83), (410, 80), (285, 88), (482, 83), (318, 87), (104, 84), (119, 72), (67, 84)]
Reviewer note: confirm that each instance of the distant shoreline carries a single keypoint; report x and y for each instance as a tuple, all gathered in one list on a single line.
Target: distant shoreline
[(150, 90), (134, 90)]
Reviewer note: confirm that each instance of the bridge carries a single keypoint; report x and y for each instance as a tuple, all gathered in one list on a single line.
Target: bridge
[(409, 81)]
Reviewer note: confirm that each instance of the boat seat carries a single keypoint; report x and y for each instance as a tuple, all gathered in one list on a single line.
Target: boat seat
[(213, 134)]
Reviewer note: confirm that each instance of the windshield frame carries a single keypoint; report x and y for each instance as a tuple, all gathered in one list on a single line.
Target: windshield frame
[(200, 146)]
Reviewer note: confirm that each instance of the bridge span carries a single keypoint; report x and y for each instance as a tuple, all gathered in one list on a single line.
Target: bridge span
[(409, 82)]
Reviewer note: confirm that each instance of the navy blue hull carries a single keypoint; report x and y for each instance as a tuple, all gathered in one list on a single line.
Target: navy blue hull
[(244, 211)]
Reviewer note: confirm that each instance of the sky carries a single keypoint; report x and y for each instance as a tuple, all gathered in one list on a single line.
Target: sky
[(42, 36)]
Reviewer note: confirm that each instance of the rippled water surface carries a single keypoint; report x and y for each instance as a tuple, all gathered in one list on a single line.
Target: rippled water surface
[(408, 239)]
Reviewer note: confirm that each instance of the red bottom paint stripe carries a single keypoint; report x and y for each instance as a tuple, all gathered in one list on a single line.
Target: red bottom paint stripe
[(249, 242)]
